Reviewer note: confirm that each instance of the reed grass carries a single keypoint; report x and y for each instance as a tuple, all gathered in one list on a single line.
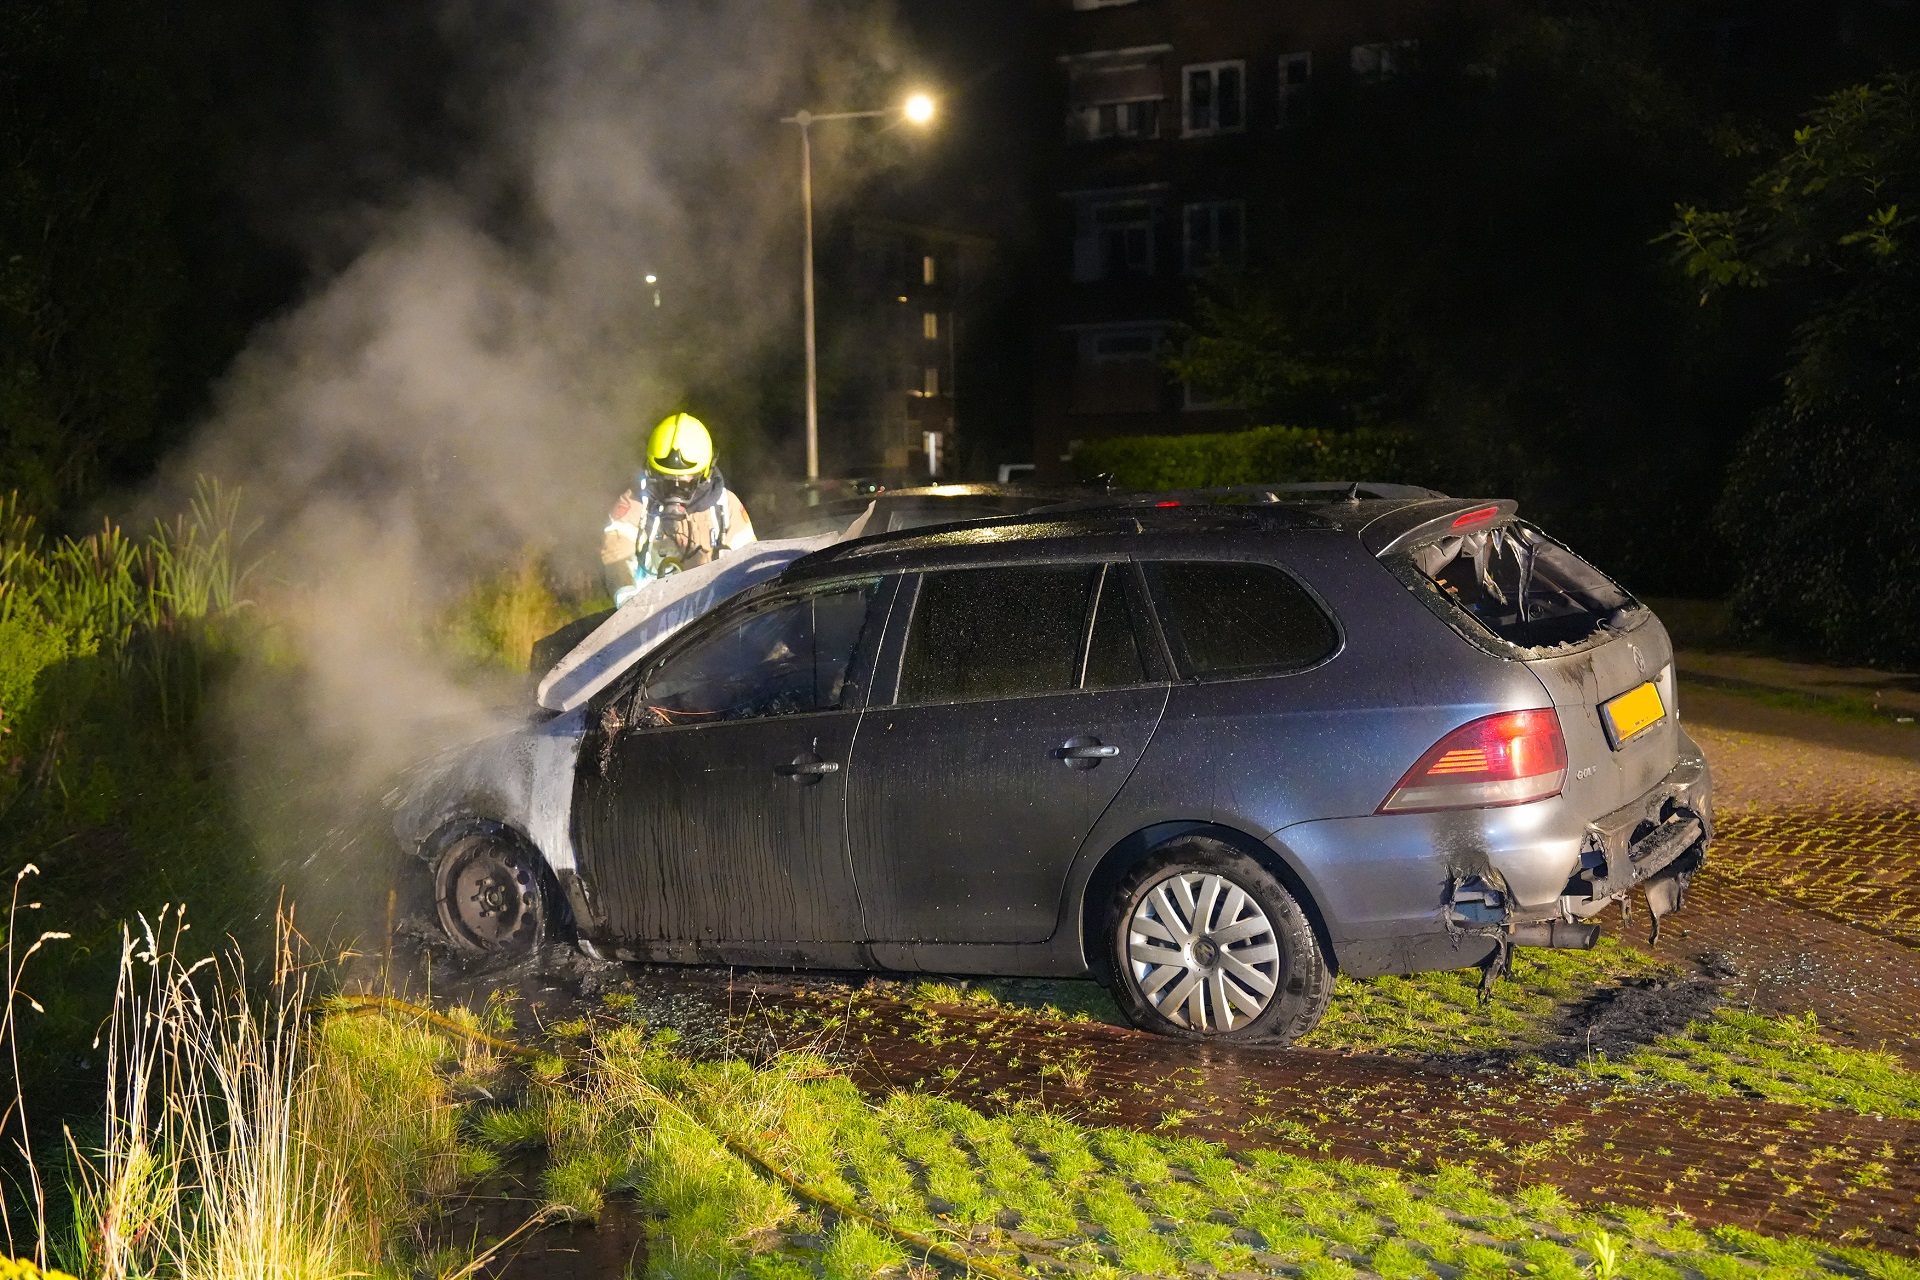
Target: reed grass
[(246, 1139)]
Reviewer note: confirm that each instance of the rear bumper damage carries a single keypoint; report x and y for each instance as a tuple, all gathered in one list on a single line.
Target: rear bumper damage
[(1655, 844)]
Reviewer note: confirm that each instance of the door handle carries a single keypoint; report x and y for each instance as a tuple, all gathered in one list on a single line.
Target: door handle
[(807, 768), (1083, 752)]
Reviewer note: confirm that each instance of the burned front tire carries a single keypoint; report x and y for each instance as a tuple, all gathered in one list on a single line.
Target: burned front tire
[(491, 892), (1205, 943)]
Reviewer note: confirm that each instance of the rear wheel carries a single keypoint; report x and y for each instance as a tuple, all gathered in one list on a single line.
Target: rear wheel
[(1206, 944), (491, 893)]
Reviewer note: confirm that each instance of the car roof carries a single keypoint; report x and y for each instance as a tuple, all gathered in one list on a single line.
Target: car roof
[(983, 500), (1381, 523)]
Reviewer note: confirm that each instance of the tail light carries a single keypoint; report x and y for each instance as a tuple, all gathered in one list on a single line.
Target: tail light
[(1511, 758)]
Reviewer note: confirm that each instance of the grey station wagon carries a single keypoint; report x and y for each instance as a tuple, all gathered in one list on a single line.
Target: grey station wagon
[(1211, 748)]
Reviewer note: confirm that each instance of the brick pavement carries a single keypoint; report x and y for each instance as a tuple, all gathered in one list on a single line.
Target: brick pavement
[(1817, 910), (1861, 867), (1755, 1164)]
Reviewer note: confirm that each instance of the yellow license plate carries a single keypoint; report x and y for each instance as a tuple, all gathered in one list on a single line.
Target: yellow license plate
[(1633, 711)]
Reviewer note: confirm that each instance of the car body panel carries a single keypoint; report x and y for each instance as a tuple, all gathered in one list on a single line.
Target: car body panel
[(963, 826), (1601, 777), (958, 850), (688, 834)]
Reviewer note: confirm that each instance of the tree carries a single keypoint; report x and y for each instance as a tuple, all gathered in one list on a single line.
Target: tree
[(1819, 505), (127, 279), (1463, 252)]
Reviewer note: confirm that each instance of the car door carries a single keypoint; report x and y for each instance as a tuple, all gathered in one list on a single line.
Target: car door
[(709, 799), (1023, 697)]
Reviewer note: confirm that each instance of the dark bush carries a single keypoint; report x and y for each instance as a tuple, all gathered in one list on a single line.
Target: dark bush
[(1825, 529), (1263, 455)]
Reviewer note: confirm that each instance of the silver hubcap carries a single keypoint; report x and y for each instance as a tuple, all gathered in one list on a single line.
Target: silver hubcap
[(1202, 952)]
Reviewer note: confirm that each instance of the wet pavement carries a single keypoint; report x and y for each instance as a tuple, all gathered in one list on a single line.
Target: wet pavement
[(1819, 911)]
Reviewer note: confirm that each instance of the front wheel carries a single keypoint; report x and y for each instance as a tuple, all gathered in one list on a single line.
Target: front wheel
[(491, 892), (1206, 944)]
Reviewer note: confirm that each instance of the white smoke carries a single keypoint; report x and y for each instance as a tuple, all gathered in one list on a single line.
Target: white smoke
[(476, 378)]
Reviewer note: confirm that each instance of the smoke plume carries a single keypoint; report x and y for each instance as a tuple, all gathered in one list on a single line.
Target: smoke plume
[(474, 378)]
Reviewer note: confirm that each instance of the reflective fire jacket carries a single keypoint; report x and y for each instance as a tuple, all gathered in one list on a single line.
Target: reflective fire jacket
[(658, 531)]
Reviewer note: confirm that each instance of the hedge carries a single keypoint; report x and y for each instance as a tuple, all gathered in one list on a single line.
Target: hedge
[(1820, 515), (1263, 455)]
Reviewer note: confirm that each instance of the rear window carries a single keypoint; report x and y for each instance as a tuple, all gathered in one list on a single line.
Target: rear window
[(1226, 619), (1523, 586)]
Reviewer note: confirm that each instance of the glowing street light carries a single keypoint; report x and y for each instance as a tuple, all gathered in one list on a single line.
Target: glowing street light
[(918, 110)]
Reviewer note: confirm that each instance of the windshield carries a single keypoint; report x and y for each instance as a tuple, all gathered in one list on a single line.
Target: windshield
[(1523, 586)]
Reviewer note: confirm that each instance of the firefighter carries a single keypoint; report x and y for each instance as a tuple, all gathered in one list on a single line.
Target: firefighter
[(678, 514)]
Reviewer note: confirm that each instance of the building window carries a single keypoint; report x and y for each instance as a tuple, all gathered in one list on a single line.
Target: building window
[(1138, 119), (1216, 98), (1296, 74), (1214, 235), (926, 269), (930, 325), (1115, 241), (1118, 370), (1115, 93), (930, 384), (1384, 60)]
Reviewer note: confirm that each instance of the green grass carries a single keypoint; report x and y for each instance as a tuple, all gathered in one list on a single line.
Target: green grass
[(1430, 1013), (110, 649), (1414, 1016), (243, 1138), (1779, 1059)]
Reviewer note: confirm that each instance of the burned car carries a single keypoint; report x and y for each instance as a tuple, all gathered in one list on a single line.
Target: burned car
[(1211, 748)]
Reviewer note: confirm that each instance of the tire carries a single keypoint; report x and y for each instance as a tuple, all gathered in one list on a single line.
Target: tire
[(492, 892), (1170, 981)]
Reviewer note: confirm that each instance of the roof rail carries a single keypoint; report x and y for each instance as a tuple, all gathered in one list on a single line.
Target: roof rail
[(1253, 494)]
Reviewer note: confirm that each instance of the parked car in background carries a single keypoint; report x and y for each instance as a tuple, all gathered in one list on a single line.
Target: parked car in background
[(1211, 748)]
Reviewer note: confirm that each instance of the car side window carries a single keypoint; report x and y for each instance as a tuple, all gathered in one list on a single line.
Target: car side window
[(1227, 619), (789, 656), (1115, 659), (996, 633)]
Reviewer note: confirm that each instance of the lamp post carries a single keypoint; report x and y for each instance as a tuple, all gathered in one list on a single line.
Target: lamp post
[(917, 110)]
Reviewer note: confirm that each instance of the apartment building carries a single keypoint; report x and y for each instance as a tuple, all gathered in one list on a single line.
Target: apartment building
[(1177, 122), (893, 297)]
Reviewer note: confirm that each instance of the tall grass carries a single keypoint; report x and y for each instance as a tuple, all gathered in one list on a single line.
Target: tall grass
[(110, 648), (111, 615), (110, 585), (495, 622), (247, 1140)]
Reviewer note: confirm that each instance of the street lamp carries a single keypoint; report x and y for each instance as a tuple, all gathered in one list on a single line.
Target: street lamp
[(918, 109)]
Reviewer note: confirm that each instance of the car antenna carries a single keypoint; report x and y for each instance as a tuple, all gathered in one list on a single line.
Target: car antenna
[(1353, 494)]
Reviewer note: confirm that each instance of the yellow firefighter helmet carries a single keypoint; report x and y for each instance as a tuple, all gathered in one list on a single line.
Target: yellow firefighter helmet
[(680, 446)]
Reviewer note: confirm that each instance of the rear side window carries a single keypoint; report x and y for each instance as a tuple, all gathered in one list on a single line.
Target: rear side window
[(1523, 586), (1229, 619), (996, 633)]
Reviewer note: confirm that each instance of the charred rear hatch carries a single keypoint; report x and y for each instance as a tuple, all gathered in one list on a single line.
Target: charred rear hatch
[(1506, 586)]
